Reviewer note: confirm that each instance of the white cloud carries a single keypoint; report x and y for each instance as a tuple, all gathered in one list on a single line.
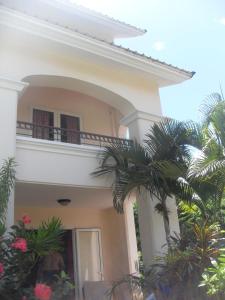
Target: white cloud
[(222, 21), (159, 45)]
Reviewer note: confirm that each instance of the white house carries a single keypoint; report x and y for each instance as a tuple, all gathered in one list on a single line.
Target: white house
[(65, 90)]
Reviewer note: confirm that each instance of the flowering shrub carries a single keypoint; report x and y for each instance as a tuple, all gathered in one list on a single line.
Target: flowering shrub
[(42, 291), (20, 252), (20, 244), (1, 269), (26, 219)]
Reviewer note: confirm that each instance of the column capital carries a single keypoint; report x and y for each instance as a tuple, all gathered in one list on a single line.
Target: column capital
[(8, 84), (140, 115)]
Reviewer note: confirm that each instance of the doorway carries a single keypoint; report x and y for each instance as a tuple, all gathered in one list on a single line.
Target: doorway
[(70, 129), (43, 122), (83, 257)]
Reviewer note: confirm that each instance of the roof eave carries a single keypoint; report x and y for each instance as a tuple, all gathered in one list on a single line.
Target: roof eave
[(163, 73), (126, 29), (167, 73)]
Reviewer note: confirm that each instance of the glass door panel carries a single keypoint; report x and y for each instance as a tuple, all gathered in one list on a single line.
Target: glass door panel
[(89, 256)]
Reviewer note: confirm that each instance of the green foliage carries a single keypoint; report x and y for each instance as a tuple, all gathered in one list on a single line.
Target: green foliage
[(7, 179), (62, 287), (48, 237), (210, 162), (206, 171), (135, 209), (165, 166), (185, 261), (155, 166), (176, 275), (20, 265), (214, 277)]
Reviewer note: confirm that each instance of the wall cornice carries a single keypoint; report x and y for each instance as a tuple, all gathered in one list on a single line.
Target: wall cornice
[(134, 116), (56, 147), (13, 85)]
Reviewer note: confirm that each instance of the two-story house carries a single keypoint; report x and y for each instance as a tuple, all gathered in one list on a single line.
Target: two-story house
[(66, 90)]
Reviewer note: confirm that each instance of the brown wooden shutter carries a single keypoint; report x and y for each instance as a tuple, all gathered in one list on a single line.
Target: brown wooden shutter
[(42, 123), (70, 127)]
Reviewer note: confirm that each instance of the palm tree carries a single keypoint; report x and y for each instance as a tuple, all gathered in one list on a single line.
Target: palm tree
[(207, 169), (157, 166), (211, 159), (7, 179), (202, 204)]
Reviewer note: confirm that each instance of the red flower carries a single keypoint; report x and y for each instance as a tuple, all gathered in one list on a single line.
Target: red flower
[(26, 219), (1, 269), (20, 244), (42, 291)]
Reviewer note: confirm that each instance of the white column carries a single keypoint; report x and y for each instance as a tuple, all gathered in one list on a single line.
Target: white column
[(150, 222), (131, 236), (9, 91)]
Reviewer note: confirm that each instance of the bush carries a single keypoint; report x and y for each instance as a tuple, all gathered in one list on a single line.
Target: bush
[(177, 274), (20, 251), (214, 277)]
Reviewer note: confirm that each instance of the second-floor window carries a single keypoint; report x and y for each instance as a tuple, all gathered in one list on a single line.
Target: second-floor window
[(42, 122), (70, 127)]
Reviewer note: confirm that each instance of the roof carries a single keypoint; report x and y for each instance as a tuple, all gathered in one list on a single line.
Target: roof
[(150, 58), (102, 15), (138, 54), (113, 44), (76, 16), (119, 48)]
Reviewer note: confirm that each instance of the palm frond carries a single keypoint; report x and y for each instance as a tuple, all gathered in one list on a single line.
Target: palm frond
[(206, 167), (209, 105), (48, 237), (7, 180), (172, 140)]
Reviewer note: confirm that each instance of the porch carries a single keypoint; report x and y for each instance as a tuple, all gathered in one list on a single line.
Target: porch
[(99, 243)]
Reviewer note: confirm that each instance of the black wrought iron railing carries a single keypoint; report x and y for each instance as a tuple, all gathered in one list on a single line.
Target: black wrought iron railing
[(68, 135)]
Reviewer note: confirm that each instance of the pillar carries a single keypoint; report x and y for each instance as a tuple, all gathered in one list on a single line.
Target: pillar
[(9, 91), (151, 224), (131, 236)]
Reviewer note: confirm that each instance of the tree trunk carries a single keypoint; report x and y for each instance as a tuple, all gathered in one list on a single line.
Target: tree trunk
[(166, 221)]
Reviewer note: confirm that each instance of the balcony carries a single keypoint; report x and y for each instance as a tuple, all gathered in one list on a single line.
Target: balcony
[(62, 135)]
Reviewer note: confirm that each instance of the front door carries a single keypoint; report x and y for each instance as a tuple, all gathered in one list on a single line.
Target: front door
[(89, 256)]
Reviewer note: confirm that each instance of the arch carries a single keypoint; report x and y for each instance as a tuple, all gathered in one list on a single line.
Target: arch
[(120, 103)]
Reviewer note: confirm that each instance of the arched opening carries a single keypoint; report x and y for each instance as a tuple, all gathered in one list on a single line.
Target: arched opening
[(62, 102)]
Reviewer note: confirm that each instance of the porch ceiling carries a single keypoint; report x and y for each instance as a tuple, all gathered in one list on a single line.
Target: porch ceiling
[(27, 194)]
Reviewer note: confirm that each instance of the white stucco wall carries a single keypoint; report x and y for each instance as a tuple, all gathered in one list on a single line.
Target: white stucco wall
[(25, 55), (48, 162)]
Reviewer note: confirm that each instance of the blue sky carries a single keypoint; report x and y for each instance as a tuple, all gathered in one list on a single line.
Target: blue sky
[(186, 33)]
